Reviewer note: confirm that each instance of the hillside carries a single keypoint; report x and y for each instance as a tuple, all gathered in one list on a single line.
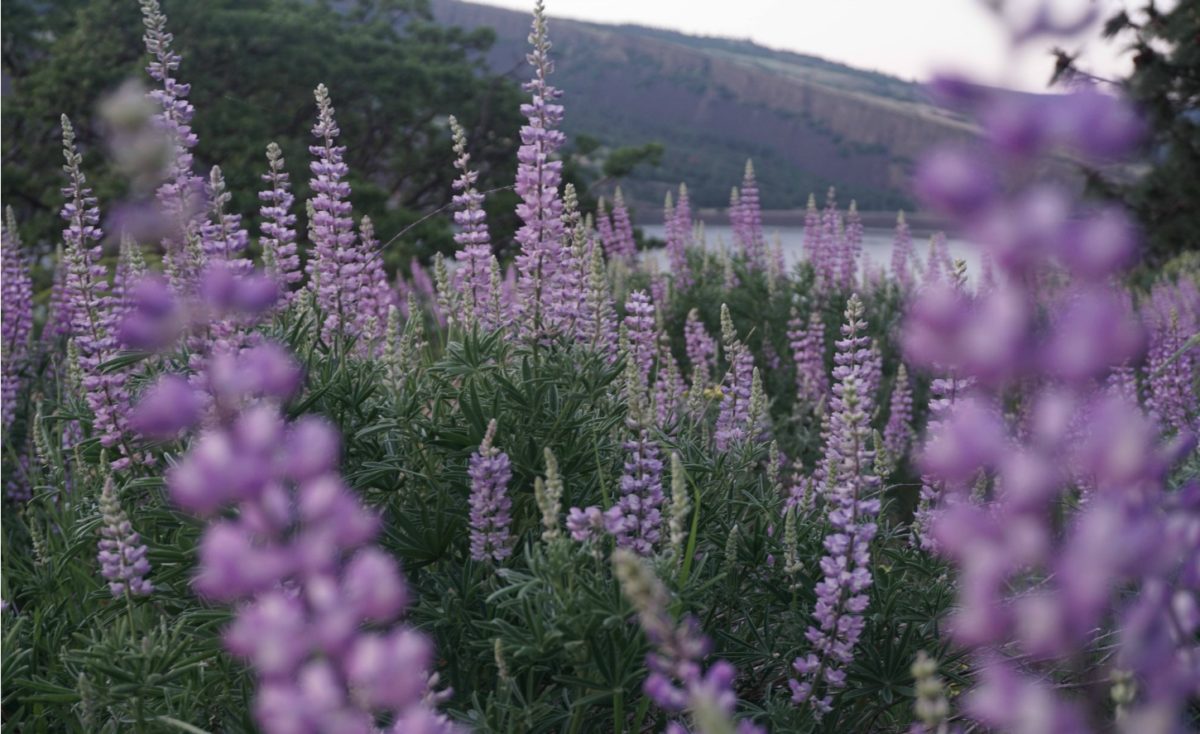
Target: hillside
[(714, 102)]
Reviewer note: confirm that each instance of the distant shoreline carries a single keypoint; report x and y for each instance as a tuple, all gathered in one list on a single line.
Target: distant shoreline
[(919, 222)]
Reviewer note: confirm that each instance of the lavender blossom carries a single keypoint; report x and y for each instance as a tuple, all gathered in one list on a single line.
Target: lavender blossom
[(850, 491), (677, 683), (701, 350), (624, 244), (541, 234), (605, 228), (490, 506), (898, 433), (18, 316), (851, 248), (377, 297), (748, 222), (1171, 370), (584, 524), (642, 332), (733, 417), (1040, 580), (90, 304), (223, 237), (636, 519), (296, 557), (599, 331), (808, 354), (336, 266), (278, 238), (475, 256), (122, 554), (828, 267), (678, 233), (181, 196)]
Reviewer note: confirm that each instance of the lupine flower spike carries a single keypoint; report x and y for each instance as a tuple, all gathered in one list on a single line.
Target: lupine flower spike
[(18, 315), (475, 253), (541, 235), (122, 555), (851, 495), (490, 506), (279, 225)]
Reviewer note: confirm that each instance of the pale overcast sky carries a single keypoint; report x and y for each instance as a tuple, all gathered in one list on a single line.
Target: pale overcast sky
[(907, 38)]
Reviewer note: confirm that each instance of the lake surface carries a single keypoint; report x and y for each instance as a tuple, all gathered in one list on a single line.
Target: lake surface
[(877, 245)]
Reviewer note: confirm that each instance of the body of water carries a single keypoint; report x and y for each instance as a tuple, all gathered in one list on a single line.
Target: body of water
[(877, 245)]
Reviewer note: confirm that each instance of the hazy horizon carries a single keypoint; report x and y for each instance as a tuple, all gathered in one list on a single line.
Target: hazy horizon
[(968, 38)]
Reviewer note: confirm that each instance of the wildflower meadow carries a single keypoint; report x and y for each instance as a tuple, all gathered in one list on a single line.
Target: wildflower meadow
[(256, 482)]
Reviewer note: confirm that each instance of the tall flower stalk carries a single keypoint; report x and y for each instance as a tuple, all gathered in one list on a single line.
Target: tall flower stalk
[(541, 235), (278, 238), (181, 196), (122, 556), (491, 507), (851, 496), (88, 300), (17, 325), (474, 275), (336, 267)]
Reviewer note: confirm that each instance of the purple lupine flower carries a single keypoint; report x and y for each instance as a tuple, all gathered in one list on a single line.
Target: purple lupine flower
[(902, 253), (678, 224), (852, 241), (636, 519), (872, 373), (1041, 582), (748, 222), (566, 313), (599, 331), (585, 524), (677, 683), (293, 551), (336, 267), (898, 433), (122, 555), (808, 354), (18, 315), (944, 392), (701, 350), (278, 238), (90, 304), (828, 267), (1171, 376), (669, 388), (166, 408), (131, 268), (490, 506), (643, 334), (377, 297), (181, 196), (734, 415), (624, 244), (475, 256), (604, 227), (938, 265), (849, 491), (541, 234), (852, 355), (223, 237), (815, 246)]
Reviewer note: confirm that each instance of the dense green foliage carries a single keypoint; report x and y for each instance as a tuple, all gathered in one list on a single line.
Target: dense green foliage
[(543, 642), (397, 73)]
